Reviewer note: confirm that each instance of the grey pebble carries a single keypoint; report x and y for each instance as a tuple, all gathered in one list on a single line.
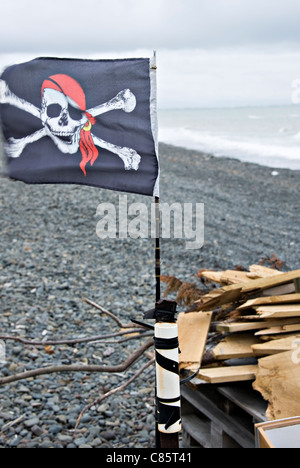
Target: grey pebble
[(108, 435), (31, 422), (54, 429), (64, 438), (36, 430)]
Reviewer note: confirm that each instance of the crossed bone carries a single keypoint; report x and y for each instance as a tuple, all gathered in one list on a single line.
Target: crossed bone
[(124, 100)]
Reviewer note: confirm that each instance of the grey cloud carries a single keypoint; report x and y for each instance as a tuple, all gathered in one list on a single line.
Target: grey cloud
[(105, 25)]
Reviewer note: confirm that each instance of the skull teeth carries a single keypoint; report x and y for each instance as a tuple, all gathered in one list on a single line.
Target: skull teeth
[(64, 136)]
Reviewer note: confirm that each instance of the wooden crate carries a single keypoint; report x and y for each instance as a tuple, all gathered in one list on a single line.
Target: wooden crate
[(221, 416)]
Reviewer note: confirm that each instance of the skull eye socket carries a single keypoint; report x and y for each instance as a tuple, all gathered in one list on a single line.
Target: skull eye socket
[(75, 114), (54, 110)]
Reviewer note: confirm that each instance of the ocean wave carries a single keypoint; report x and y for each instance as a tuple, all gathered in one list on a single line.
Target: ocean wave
[(250, 150)]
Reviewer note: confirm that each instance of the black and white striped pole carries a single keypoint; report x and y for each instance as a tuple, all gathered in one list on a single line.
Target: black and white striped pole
[(167, 373), (168, 404)]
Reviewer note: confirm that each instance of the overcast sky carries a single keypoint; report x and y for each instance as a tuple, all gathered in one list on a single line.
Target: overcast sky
[(210, 52)]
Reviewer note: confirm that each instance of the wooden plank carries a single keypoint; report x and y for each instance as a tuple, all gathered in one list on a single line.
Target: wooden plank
[(212, 275), (297, 284), (277, 346), (244, 318), (228, 294), (278, 380), (279, 330), (263, 272), (238, 345), (288, 288), (226, 277), (286, 432), (197, 429), (271, 281), (233, 327), (264, 283), (286, 299), (201, 401), (278, 311), (245, 398), (234, 276), (262, 309), (218, 297), (228, 374), (262, 440), (193, 329)]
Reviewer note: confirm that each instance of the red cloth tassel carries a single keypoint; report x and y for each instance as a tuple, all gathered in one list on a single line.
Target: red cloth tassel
[(87, 147)]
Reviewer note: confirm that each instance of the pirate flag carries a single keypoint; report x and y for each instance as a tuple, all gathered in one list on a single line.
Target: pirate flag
[(90, 122)]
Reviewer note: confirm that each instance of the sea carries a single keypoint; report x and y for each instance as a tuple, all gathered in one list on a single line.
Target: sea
[(265, 135)]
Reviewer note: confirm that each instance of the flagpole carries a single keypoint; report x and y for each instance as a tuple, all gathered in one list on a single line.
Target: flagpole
[(165, 332), (157, 249), (157, 298)]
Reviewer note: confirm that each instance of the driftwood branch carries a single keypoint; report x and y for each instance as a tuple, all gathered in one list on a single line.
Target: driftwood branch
[(73, 340), (133, 337), (12, 423), (78, 368), (126, 329), (110, 314), (115, 390)]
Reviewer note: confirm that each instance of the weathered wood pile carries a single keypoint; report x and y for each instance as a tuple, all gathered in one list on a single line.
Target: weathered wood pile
[(247, 328)]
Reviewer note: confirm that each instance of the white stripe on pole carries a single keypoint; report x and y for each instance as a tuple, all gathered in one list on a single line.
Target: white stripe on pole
[(167, 378)]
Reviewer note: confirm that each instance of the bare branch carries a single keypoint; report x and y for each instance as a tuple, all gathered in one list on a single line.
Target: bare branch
[(110, 314), (115, 390), (78, 368), (12, 423), (127, 330), (72, 341), (134, 337)]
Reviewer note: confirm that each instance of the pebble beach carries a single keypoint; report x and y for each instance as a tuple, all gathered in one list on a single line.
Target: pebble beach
[(51, 257)]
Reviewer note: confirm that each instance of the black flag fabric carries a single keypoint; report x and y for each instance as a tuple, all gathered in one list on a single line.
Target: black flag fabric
[(89, 122)]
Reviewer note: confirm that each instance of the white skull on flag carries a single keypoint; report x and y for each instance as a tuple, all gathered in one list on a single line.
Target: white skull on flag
[(68, 123), (62, 119)]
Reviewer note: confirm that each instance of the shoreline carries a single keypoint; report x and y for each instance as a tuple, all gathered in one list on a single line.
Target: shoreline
[(229, 157)]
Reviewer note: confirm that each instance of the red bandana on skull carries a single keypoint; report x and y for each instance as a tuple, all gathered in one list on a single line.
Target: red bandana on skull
[(72, 89)]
